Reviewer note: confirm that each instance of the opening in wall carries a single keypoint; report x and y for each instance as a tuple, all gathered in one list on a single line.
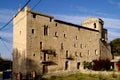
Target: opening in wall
[(66, 65), (62, 46), (67, 54), (41, 45), (34, 15), (33, 31), (78, 65), (45, 30), (94, 25)]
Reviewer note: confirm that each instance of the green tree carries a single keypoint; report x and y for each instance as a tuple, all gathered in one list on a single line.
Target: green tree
[(115, 46)]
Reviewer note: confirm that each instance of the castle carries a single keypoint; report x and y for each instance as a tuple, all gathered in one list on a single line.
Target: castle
[(46, 45)]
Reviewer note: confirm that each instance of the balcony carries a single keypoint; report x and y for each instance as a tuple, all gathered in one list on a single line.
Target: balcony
[(48, 62), (70, 57), (48, 51)]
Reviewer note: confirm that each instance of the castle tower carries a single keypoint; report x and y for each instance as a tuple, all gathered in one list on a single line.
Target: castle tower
[(94, 23)]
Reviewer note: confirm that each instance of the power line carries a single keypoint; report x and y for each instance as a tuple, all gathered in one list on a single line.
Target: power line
[(15, 15), (36, 4), (22, 18), (5, 46)]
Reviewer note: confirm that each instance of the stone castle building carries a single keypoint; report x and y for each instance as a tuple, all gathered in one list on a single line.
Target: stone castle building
[(46, 45)]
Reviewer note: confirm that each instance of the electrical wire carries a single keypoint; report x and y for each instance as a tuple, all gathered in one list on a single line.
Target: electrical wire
[(36, 4), (15, 15), (5, 45), (8, 41)]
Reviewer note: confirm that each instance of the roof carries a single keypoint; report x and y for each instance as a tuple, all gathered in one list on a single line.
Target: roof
[(74, 25), (45, 15)]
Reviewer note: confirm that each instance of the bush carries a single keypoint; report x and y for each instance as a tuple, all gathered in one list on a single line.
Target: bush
[(101, 64), (88, 65), (118, 65)]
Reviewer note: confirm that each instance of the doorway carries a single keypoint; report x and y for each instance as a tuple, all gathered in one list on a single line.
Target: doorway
[(78, 65)]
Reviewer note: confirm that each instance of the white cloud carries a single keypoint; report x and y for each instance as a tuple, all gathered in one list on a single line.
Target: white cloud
[(93, 12), (6, 34), (113, 35), (72, 19), (113, 25), (6, 15), (114, 2)]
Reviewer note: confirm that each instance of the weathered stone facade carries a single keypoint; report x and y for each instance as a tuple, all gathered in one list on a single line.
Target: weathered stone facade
[(46, 45)]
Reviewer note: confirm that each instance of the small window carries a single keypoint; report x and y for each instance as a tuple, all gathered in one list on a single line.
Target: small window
[(78, 65), (20, 32), (56, 24), (67, 54), (76, 37), (62, 46), (96, 52), (33, 54), (78, 28), (94, 25), (76, 54), (88, 52), (32, 31), (75, 45), (64, 35), (50, 19), (40, 45), (80, 54), (34, 15), (56, 34), (45, 30), (81, 46), (41, 57)]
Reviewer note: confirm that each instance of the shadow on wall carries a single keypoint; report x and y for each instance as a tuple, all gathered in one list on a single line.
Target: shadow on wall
[(23, 64)]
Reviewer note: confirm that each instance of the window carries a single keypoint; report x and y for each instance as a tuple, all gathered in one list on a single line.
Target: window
[(50, 19), (56, 34), (76, 37), (33, 54), (96, 52), (66, 65), (94, 25), (45, 30), (75, 45), (76, 54), (32, 31), (80, 54), (78, 65), (20, 32), (40, 45), (81, 46), (67, 54), (64, 35), (34, 15), (56, 24), (78, 28), (62, 46), (88, 52)]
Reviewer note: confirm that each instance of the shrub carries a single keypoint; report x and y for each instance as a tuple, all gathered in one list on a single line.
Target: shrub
[(101, 64), (88, 65), (118, 65)]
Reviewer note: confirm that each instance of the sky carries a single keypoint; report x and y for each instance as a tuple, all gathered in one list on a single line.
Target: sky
[(73, 11)]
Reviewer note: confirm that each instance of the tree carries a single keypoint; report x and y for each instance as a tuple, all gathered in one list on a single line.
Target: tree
[(115, 46)]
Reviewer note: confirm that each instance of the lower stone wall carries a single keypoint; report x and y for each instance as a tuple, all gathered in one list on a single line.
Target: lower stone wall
[(65, 73)]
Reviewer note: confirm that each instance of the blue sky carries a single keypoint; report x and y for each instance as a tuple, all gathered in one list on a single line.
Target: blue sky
[(73, 11)]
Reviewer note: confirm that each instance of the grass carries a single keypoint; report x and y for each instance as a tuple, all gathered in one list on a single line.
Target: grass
[(81, 76)]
